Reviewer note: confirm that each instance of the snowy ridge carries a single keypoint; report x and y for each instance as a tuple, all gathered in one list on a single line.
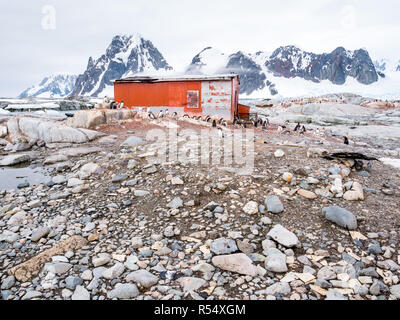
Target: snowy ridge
[(55, 86), (292, 72)]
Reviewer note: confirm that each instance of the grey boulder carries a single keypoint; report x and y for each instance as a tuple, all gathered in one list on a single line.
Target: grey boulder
[(341, 217)]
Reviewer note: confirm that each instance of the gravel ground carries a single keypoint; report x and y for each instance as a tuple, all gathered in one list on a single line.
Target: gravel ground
[(115, 224)]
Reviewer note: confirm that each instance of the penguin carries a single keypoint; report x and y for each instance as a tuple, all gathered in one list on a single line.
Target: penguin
[(208, 119), (198, 118), (221, 120), (186, 116), (303, 130), (297, 127), (220, 133), (151, 115), (264, 125), (175, 115), (244, 125), (161, 114), (166, 113), (281, 128), (255, 123), (346, 140), (224, 123), (214, 124)]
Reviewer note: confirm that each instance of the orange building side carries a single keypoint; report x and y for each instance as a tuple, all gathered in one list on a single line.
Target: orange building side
[(158, 94)]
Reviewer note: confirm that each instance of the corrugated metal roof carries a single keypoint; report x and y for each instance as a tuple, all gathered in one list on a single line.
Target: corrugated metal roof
[(178, 78)]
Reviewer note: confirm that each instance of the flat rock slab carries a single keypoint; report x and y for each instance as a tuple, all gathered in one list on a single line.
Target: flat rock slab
[(341, 217), (238, 263), (191, 283), (14, 159), (79, 151), (133, 141), (283, 236), (142, 277), (123, 291), (29, 269), (55, 159)]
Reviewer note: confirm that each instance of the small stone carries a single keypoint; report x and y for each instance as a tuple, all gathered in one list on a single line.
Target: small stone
[(282, 288), (101, 261), (356, 193), (31, 295), (113, 272), (176, 203), (284, 236), (251, 208), (142, 277), (276, 263), (73, 282), (40, 233), (59, 268), (73, 182), (223, 246), (279, 153), (87, 275), (273, 204), (287, 176), (374, 249), (238, 263), (8, 283), (191, 283), (334, 294), (326, 273), (307, 194), (81, 294), (123, 291), (395, 290), (137, 242), (340, 216), (176, 181)]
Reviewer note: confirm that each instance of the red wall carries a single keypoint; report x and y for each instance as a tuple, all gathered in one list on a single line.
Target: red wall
[(159, 94)]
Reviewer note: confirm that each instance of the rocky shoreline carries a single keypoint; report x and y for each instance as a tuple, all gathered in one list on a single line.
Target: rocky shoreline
[(113, 222)]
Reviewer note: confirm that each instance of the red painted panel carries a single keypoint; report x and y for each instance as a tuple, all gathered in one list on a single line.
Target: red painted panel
[(160, 94)]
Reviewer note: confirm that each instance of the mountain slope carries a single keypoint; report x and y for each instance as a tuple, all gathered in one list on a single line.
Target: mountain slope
[(56, 86), (265, 73), (125, 56)]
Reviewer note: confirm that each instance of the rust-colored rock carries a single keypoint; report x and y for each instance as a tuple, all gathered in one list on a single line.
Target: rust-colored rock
[(29, 269)]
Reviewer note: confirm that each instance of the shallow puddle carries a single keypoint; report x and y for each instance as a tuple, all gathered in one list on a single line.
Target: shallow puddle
[(11, 177)]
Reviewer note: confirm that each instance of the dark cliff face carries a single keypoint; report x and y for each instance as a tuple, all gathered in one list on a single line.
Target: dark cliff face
[(251, 76), (126, 55), (336, 66), (197, 63)]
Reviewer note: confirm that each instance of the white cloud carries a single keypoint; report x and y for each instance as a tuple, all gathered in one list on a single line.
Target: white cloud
[(181, 29)]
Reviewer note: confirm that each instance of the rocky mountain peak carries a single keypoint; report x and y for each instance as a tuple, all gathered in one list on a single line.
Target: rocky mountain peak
[(125, 56)]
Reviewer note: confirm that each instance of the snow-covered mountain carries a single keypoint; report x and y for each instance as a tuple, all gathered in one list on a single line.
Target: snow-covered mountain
[(56, 86), (290, 71), (124, 57), (336, 66)]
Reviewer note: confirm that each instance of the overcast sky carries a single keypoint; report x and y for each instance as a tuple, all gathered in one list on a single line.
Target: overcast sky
[(34, 45)]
